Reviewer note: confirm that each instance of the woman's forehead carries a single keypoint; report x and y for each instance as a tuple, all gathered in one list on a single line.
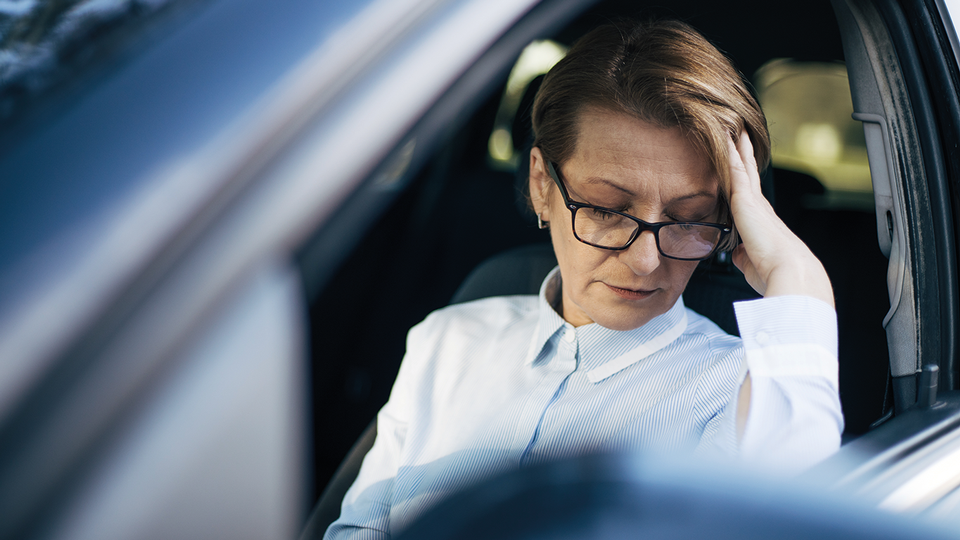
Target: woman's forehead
[(620, 154)]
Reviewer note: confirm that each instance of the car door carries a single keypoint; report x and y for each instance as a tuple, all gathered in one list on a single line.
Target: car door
[(154, 337), (902, 62)]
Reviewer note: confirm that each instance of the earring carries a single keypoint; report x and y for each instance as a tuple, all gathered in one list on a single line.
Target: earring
[(541, 223)]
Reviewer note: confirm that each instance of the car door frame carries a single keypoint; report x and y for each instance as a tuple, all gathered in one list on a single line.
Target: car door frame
[(902, 63)]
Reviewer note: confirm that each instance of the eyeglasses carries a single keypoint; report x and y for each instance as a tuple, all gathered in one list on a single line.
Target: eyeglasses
[(608, 229)]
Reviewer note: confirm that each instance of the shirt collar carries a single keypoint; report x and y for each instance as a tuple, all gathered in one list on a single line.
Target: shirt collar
[(549, 322), (603, 352)]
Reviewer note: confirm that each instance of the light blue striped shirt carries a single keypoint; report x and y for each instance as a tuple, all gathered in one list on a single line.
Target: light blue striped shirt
[(505, 382)]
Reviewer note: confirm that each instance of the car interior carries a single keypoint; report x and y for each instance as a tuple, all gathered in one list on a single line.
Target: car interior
[(460, 229)]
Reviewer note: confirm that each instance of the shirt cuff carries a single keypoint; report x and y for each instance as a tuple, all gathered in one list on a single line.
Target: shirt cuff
[(788, 335)]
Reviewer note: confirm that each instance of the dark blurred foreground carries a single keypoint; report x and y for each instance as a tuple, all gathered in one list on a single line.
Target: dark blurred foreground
[(628, 496)]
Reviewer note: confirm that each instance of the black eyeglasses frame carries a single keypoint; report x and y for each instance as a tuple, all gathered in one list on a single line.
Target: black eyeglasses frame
[(642, 226)]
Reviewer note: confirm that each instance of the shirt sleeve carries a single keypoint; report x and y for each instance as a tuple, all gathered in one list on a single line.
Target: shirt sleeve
[(365, 513), (790, 352)]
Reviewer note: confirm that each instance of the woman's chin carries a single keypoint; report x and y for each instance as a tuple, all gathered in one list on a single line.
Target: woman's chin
[(617, 308), (628, 312), (621, 321)]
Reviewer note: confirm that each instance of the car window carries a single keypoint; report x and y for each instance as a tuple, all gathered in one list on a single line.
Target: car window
[(808, 108), (45, 44), (536, 59), (131, 131)]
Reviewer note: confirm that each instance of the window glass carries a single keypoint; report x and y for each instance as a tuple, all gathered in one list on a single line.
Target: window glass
[(536, 59), (44, 43), (809, 108), (953, 7)]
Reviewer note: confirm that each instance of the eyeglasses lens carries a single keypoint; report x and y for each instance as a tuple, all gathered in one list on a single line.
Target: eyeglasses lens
[(688, 241), (604, 229), (613, 231)]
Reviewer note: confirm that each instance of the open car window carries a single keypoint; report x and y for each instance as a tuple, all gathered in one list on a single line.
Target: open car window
[(461, 206)]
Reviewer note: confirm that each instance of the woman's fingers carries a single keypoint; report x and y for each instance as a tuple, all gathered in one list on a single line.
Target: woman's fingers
[(760, 228), (743, 164), (773, 260)]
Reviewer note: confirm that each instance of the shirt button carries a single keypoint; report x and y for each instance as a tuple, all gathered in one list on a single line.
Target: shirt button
[(570, 335), (762, 338)]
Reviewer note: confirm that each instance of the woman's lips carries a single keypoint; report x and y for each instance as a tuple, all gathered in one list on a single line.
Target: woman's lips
[(630, 294)]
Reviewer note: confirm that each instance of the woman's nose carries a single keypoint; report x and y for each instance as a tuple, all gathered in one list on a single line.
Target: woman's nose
[(642, 256)]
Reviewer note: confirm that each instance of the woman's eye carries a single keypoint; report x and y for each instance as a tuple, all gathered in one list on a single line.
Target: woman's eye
[(691, 218), (602, 214)]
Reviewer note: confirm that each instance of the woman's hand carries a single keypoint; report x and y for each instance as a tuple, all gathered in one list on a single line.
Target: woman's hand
[(774, 261)]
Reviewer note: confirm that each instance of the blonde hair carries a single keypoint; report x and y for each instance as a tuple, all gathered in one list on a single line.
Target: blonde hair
[(661, 72)]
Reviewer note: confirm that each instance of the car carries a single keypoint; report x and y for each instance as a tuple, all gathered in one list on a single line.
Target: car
[(220, 218)]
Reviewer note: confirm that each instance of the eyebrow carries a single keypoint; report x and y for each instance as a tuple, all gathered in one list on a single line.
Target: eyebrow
[(596, 180)]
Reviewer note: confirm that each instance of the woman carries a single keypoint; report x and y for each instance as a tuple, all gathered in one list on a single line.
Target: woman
[(646, 151)]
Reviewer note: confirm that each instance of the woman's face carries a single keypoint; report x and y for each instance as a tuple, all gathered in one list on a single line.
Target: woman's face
[(649, 172)]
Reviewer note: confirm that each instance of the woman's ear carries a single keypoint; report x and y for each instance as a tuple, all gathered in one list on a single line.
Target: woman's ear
[(540, 183)]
